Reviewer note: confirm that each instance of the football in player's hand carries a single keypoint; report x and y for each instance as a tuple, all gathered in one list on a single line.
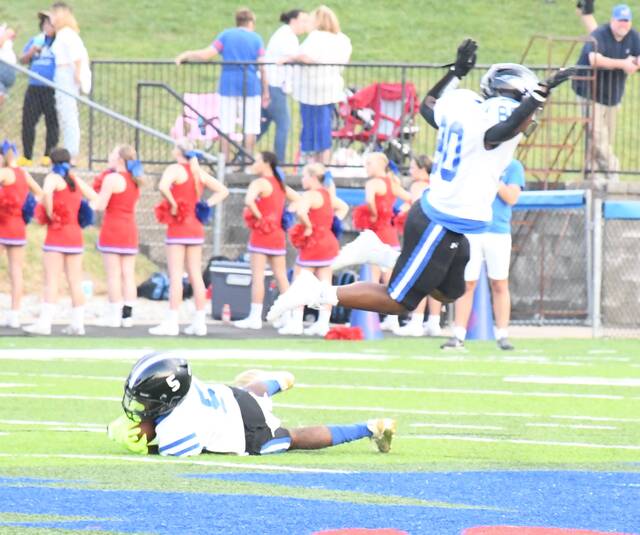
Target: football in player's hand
[(148, 427)]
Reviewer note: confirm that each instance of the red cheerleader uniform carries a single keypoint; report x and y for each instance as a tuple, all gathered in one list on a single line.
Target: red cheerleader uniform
[(383, 227), (119, 232), (64, 234), (321, 247), (12, 197), (267, 235), (184, 228)]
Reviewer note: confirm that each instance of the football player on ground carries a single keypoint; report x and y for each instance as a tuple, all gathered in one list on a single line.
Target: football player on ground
[(477, 136), (170, 412)]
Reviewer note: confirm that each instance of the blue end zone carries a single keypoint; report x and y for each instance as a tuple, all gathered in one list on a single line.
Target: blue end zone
[(621, 210), (601, 501)]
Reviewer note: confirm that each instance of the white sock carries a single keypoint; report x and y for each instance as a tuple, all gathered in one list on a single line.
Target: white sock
[(77, 317), (256, 311), (324, 316), (329, 295), (434, 321), (115, 310), (172, 316), (199, 317), (459, 332), (391, 319), (417, 318), (500, 333)]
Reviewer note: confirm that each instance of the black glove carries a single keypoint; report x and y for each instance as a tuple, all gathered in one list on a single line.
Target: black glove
[(560, 76), (465, 58), (586, 6)]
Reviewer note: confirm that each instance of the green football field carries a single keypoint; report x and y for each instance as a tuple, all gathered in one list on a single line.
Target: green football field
[(555, 406)]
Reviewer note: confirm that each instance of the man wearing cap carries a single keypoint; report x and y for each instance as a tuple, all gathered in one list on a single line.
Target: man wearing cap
[(39, 99), (614, 57)]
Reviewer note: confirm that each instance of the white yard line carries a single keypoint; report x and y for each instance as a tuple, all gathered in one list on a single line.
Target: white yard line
[(165, 460), (594, 418), (457, 426), (65, 376), (572, 426), (526, 442), (14, 385), (59, 396), (581, 381), (542, 361), (464, 391), (52, 423)]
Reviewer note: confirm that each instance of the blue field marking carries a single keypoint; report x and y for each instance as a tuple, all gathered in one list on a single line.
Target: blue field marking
[(580, 500)]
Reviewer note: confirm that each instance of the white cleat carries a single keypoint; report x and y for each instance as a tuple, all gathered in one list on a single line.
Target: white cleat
[(383, 430), (291, 329), (306, 289), (195, 330), (390, 323), (286, 380), (367, 248), (432, 330), (166, 328), (248, 323), (38, 328), (11, 323), (410, 329), (127, 323), (282, 320), (73, 330), (317, 329)]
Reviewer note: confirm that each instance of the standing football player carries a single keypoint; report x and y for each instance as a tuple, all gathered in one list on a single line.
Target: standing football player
[(477, 137)]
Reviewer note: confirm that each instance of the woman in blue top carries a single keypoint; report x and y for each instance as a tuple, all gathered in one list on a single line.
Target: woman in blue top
[(39, 99)]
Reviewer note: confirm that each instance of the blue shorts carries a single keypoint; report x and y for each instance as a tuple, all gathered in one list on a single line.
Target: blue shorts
[(316, 127)]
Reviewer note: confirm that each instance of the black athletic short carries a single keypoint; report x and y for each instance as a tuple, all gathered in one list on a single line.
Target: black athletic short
[(432, 259), (256, 431)]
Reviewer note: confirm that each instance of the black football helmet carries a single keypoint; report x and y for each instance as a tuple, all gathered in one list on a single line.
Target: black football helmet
[(156, 385), (508, 80)]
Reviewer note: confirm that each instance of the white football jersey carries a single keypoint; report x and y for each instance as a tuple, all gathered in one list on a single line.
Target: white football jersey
[(208, 418), (465, 175)]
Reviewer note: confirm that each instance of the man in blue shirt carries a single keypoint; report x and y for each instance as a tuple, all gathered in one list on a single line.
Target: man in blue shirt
[(39, 99), (242, 92), (493, 247), (615, 57)]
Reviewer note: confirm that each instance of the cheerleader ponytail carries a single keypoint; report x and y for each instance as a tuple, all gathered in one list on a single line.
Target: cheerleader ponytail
[(272, 160), (60, 158)]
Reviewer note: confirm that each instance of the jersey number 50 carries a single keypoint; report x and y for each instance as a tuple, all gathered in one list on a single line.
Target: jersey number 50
[(449, 147)]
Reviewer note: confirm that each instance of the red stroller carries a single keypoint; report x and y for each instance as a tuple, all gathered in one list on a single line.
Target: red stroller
[(375, 115)]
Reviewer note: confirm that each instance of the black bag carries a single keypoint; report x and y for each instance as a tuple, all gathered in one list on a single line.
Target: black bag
[(340, 314), (155, 287)]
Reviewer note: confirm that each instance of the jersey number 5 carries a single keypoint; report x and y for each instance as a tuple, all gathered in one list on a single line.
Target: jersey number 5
[(449, 147)]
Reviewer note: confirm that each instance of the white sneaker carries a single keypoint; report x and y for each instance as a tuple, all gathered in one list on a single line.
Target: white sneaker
[(410, 329), (390, 323), (127, 323), (306, 289), (317, 329), (109, 321), (282, 320), (431, 331), (73, 330), (10, 322), (383, 430), (195, 330), (248, 323), (286, 380), (291, 329), (166, 328), (38, 328), (362, 250)]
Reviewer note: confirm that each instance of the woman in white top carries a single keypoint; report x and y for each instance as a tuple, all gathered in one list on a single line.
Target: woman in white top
[(319, 84), (283, 44), (72, 74)]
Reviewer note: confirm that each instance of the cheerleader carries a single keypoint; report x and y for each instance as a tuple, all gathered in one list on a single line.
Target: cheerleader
[(315, 240), (419, 170), (15, 185), (182, 211), (382, 189), (61, 212), (118, 193), (263, 214)]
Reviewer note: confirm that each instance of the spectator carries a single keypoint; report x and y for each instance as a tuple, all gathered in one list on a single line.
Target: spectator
[(616, 56), (319, 85), (181, 186), (7, 55), (15, 186), (419, 169), (315, 240), (264, 207), (494, 247), (63, 244), (283, 43), (118, 194), (71, 74), (39, 99), (242, 92)]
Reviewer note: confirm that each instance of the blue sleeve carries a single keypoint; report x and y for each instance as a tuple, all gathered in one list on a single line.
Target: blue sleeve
[(514, 174), (28, 45)]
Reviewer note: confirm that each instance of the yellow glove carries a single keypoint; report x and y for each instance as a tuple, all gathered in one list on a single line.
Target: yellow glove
[(127, 432)]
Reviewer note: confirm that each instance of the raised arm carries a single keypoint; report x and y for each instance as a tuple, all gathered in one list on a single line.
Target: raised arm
[(465, 60), (585, 9)]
